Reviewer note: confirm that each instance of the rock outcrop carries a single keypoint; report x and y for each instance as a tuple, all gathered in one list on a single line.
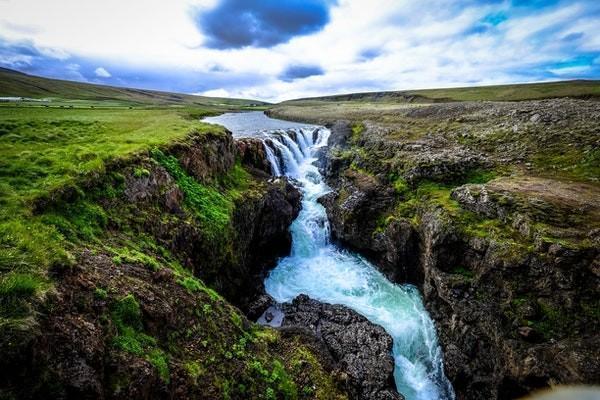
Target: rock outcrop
[(361, 350), (508, 266)]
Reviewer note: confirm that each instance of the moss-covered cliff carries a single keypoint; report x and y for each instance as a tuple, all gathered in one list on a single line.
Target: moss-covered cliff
[(156, 249)]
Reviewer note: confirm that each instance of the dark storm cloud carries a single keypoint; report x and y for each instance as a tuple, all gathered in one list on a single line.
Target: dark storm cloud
[(261, 23), (293, 72)]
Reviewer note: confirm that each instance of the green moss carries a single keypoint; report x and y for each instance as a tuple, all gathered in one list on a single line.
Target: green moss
[(574, 163), (357, 130), (127, 255), (126, 312), (400, 186), (460, 270), (31, 246), (236, 319), (212, 204), (101, 293), (437, 193), (80, 220), (317, 382), (158, 359), (554, 322), (285, 385), (191, 284), (480, 176), (132, 341), (127, 317), (194, 369), (207, 309), (140, 172), (265, 335)]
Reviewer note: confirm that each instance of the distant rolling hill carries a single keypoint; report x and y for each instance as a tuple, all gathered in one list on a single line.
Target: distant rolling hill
[(18, 84), (528, 91)]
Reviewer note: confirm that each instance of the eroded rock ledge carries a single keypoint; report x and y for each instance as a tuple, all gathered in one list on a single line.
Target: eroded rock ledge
[(361, 351)]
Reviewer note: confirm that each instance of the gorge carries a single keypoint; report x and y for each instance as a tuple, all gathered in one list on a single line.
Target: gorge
[(326, 272), (382, 246)]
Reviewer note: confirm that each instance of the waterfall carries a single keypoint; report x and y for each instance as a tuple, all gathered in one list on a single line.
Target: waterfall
[(293, 146), (275, 170), (302, 143), (290, 165)]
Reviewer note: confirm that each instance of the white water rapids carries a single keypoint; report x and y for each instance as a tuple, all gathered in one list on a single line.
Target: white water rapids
[(328, 273)]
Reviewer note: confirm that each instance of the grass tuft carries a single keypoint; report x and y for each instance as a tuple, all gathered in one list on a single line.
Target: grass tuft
[(15, 291)]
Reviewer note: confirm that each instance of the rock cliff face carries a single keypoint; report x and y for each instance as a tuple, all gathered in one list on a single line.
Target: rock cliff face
[(361, 350), (508, 264), (137, 316)]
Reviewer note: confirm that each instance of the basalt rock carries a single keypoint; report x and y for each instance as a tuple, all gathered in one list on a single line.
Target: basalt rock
[(361, 350), (252, 153), (509, 321), (206, 156)]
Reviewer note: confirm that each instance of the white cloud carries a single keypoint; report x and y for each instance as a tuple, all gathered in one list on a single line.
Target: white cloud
[(73, 72), (422, 44), (102, 73), (570, 71), (215, 93)]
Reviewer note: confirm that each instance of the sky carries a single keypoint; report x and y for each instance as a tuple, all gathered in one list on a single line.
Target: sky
[(275, 50)]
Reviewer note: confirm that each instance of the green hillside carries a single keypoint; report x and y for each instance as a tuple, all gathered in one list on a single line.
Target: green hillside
[(517, 92), (17, 84)]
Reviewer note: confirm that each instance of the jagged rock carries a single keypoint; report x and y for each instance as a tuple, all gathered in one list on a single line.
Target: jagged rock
[(361, 350), (252, 153), (477, 198), (139, 325), (257, 307), (260, 222)]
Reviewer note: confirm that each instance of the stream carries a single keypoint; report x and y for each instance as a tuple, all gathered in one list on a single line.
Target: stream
[(329, 273)]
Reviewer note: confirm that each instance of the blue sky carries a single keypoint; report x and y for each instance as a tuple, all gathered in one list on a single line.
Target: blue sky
[(275, 50)]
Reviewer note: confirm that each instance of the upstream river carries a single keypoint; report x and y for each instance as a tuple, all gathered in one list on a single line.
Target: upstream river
[(331, 274)]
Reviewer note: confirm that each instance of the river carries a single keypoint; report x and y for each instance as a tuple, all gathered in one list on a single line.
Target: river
[(329, 273)]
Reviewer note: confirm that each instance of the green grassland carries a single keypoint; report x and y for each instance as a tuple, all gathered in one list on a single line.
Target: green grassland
[(518, 92), (44, 148)]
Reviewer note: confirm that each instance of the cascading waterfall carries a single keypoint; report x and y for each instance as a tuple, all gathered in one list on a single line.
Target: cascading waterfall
[(290, 165), (331, 274), (293, 146)]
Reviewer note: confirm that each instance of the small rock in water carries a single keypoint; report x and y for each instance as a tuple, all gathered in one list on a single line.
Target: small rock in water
[(269, 316)]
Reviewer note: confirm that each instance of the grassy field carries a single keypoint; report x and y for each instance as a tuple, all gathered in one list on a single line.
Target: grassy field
[(518, 92), (44, 148)]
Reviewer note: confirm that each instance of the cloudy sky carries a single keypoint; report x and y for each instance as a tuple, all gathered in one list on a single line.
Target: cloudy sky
[(280, 49)]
